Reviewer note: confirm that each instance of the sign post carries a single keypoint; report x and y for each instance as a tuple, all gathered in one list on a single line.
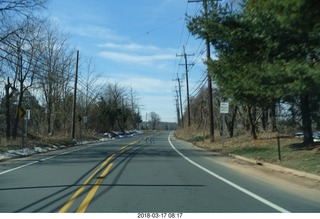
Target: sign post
[(224, 109), (27, 118)]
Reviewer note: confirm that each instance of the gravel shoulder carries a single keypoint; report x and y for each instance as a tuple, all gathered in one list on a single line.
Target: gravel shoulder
[(300, 186)]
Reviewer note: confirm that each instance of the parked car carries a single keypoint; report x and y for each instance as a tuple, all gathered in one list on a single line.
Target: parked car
[(298, 135), (118, 134), (316, 135), (139, 132)]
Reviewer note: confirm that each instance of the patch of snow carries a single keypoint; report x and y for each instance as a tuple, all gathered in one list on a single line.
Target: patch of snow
[(3, 156), (50, 148), (106, 139), (36, 150), (39, 150), (24, 152)]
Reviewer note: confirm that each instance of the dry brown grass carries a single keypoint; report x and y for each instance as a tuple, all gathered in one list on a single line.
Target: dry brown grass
[(201, 139), (265, 148)]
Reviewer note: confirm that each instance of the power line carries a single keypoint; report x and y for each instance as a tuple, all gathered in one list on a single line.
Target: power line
[(185, 55), (200, 85), (181, 37), (153, 30)]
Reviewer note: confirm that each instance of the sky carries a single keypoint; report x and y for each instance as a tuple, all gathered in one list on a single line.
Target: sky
[(135, 44)]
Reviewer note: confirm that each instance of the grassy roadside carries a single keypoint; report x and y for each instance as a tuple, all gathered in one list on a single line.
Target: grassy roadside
[(265, 148)]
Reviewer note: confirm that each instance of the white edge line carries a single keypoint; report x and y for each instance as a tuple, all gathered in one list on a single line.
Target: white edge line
[(41, 160), (270, 204), (19, 167)]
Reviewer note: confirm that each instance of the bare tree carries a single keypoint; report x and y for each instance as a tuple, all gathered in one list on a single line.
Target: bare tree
[(14, 12), (55, 77), (9, 91), (15, 16), (89, 90), (155, 120), (23, 58), (117, 95)]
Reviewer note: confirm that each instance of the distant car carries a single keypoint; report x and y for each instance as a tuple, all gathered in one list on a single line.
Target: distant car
[(298, 135), (107, 135), (116, 134), (139, 132), (128, 133), (316, 135)]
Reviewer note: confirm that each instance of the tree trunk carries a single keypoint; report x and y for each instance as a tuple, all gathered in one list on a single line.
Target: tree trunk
[(18, 72), (306, 119), (273, 116), (16, 121), (252, 123), (230, 125), (246, 120), (264, 118), (50, 110), (8, 119)]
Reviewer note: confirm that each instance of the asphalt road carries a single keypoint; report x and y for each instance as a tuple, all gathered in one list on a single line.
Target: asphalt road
[(146, 173)]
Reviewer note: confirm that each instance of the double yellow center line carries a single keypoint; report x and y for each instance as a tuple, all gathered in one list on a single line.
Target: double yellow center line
[(85, 203), (82, 187), (93, 191)]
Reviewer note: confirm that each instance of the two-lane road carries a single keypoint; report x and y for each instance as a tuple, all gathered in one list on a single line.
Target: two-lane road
[(139, 174)]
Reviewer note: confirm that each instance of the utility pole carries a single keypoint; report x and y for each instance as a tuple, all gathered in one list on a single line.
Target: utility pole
[(122, 115), (181, 110), (210, 104), (75, 98), (179, 102), (185, 55), (178, 108)]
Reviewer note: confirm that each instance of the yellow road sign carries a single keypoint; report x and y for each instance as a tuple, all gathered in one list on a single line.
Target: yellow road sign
[(22, 112)]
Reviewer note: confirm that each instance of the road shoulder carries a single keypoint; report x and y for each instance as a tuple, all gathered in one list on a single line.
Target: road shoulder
[(297, 182)]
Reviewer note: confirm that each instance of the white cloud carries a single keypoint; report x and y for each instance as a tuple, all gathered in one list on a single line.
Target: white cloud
[(144, 85), (137, 53), (136, 58), (130, 47), (94, 31)]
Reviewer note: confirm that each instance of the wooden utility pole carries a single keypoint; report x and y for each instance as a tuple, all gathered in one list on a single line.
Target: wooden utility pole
[(181, 110), (185, 55), (75, 98), (179, 102), (178, 108), (210, 104)]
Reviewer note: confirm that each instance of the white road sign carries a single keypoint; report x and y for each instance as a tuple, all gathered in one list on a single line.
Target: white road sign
[(224, 107)]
